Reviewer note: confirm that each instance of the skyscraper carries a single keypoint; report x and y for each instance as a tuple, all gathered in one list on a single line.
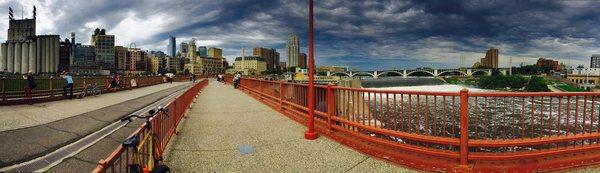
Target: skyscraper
[(292, 49), (490, 60), (595, 61), (172, 47)]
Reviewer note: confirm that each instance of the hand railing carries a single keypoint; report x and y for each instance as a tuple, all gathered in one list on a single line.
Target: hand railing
[(462, 128)]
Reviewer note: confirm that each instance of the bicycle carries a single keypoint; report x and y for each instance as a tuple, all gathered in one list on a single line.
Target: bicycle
[(154, 163)]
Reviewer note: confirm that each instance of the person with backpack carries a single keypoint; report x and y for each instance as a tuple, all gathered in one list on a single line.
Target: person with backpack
[(29, 87)]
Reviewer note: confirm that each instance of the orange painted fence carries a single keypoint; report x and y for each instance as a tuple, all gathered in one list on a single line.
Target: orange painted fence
[(449, 131), (50, 89), (163, 127)]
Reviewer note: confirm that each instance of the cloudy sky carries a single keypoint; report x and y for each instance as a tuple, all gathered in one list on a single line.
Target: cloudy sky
[(362, 34)]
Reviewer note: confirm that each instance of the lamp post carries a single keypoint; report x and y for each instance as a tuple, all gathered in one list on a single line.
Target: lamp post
[(311, 134)]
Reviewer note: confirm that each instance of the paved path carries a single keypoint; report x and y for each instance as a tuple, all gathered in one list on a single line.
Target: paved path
[(21, 116), (228, 131), (24, 144)]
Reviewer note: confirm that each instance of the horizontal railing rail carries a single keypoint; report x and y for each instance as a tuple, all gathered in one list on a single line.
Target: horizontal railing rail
[(163, 126), (471, 129), (12, 90)]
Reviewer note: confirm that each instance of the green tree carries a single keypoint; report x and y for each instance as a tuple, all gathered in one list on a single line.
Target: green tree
[(537, 84)]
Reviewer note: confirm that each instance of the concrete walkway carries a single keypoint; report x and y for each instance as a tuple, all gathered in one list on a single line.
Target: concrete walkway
[(228, 131), (21, 116)]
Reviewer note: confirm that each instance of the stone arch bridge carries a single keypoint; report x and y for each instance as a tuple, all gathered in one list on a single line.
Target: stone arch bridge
[(428, 72)]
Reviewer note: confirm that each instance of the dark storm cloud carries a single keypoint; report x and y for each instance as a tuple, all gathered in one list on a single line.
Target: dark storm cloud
[(369, 34)]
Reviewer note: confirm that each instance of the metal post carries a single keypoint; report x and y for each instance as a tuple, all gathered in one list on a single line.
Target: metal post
[(281, 94), (50, 86), (311, 134), (464, 125), (3, 89), (330, 105)]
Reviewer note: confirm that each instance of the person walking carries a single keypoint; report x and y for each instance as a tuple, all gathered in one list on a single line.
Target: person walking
[(236, 80), (67, 76), (29, 87)]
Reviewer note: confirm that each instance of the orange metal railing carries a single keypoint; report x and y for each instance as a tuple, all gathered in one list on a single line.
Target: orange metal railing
[(449, 131), (163, 126), (50, 89)]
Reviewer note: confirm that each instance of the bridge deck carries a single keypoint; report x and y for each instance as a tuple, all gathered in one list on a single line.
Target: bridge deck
[(228, 131)]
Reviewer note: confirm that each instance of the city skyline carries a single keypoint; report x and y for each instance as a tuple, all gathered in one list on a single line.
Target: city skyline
[(362, 34)]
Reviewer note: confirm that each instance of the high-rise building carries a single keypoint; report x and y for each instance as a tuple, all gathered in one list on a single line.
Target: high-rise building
[(595, 61), (491, 58), (302, 60), (183, 49), (104, 48), (271, 56), (172, 47), (120, 57), (64, 55), (292, 49), (203, 51), (191, 50), (489, 61), (134, 59), (215, 52)]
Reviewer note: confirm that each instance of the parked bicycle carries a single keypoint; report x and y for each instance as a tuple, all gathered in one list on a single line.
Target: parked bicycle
[(90, 89), (154, 153)]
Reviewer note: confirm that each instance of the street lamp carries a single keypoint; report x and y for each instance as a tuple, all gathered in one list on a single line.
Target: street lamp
[(311, 134)]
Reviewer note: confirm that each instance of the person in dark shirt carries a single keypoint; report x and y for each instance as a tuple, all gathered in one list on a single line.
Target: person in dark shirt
[(29, 87)]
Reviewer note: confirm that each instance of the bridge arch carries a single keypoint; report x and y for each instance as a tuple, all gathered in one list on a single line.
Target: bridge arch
[(420, 71), (453, 71), (480, 73), (340, 74), (363, 74), (388, 73)]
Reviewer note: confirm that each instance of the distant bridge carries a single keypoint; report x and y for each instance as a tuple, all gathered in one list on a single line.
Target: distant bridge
[(412, 72)]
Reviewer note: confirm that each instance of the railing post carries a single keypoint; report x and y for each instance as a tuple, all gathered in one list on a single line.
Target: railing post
[(281, 93), (3, 89), (464, 128), (330, 105), (50, 86)]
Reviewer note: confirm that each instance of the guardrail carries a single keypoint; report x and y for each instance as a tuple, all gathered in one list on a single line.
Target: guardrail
[(449, 131), (51, 89), (163, 126)]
